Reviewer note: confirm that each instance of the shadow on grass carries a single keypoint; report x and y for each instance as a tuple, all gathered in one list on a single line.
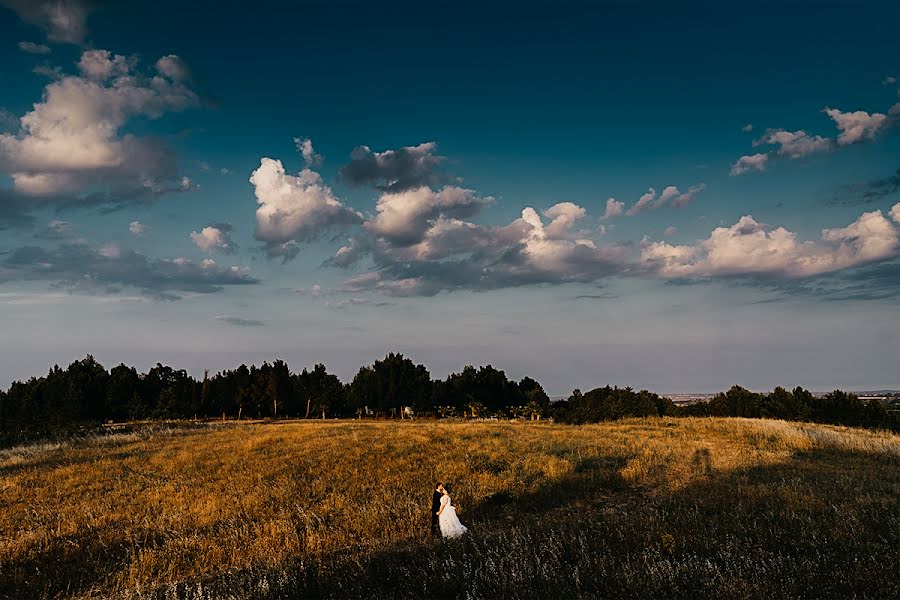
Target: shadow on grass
[(824, 524)]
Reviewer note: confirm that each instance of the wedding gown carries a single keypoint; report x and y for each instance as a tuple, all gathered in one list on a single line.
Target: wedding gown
[(449, 522)]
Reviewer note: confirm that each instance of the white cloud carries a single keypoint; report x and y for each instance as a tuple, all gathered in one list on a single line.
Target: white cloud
[(214, 238), (100, 65), (32, 48), (747, 128), (670, 195), (752, 248), (70, 142), (306, 150), (794, 144), (294, 208), (643, 203), (856, 126), (403, 217), (751, 162), (174, 68), (614, 208), (889, 80), (137, 229), (563, 215), (895, 212), (670, 230)]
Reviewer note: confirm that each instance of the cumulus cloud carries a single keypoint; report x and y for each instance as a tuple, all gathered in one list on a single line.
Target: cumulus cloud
[(215, 238), (889, 80), (752, 248), (747, 128), (643, 203), (394, 170), (895, 212), (404, 217), (70, 146), (614, 208), (32, 48), (63, 20), (856, 126), (137, 229), (670, 230), (111, 268), (794, 144), (452, 254), (751, 162), (174, 68), (306, 150), (294, 208), (670, 195)]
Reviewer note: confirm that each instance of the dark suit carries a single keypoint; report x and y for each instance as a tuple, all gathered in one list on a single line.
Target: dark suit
[(435, 506)]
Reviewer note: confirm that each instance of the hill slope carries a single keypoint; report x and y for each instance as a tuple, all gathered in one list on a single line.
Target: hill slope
[(680, 507)]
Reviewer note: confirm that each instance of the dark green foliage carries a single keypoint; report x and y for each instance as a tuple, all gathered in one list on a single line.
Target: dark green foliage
[(606, 403), (86, 393), (391, 384)]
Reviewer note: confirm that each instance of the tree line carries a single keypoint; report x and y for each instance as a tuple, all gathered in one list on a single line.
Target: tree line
[(86, 392), (836, 408)]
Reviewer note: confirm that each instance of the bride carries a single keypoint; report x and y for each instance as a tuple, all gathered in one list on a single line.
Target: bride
[(449, 522)]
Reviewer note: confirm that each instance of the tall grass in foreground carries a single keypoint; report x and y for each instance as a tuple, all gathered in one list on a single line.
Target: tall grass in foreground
[(725, 508)]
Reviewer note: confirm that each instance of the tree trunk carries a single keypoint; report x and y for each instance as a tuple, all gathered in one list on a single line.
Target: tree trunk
[(308, 400)]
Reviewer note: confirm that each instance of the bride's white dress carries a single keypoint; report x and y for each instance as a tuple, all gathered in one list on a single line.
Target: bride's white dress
[(449, 522)]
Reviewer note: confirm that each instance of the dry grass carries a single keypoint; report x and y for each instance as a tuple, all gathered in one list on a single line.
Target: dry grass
[(675, 507)]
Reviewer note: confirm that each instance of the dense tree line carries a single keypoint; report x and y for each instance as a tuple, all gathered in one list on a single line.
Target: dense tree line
[(86, 392), (837, 407)]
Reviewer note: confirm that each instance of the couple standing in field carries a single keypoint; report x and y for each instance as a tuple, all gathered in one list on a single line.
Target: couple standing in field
[(443, 514)]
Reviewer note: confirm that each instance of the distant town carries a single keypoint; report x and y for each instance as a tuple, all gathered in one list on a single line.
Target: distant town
[(890, 397)]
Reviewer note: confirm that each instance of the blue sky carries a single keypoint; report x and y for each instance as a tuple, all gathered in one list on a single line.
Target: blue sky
[(203, 185)]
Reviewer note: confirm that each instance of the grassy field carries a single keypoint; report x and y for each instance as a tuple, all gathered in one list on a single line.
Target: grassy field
[(723, 508)]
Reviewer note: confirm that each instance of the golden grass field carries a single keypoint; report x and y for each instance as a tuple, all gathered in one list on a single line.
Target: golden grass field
[(727, 508)]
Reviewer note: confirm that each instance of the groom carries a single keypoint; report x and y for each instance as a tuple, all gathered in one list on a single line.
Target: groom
[(435, 507)]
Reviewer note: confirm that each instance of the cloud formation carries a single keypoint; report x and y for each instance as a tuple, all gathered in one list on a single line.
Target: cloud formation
[(752, 248), (69, 147), (240, 321), (751, 162), (306, 150), (614, 208), (111, 268), (137, 229), (63, 20), (215, 238), (794, 144), (294, 208), (404, 217), (394, 170), (853, 127), (446, 253), (32, 48), (670, 195), (857, 126)]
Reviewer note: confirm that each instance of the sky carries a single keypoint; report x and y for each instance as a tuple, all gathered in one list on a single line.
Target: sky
[(677, 198)]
